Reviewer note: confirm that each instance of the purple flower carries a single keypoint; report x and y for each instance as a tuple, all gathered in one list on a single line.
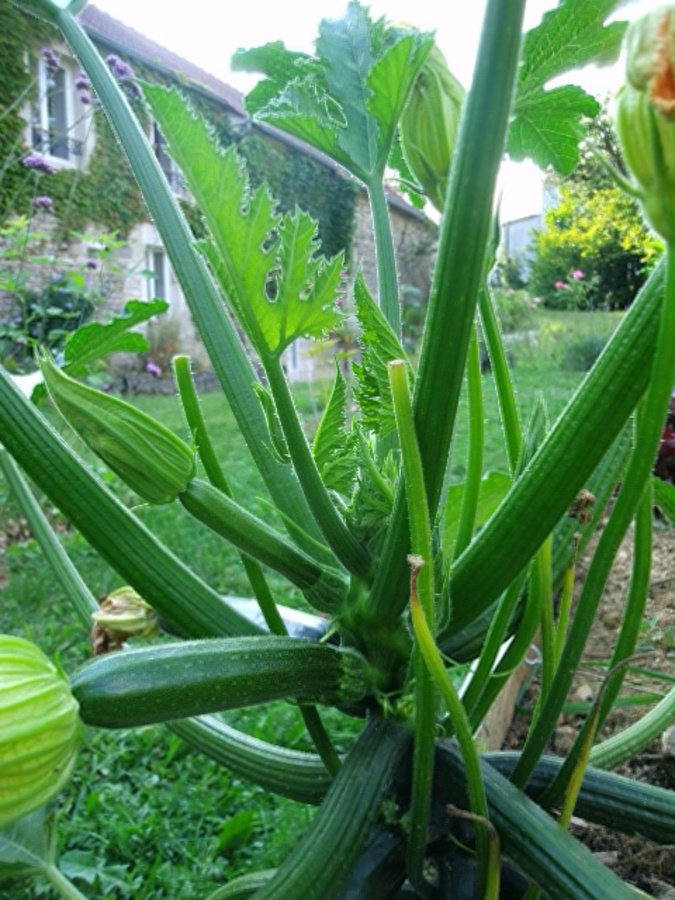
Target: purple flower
[(39, 163), (43, 202), (91, 264), (51, 60), (153, 369), (577, 274), (561, 286), (82, 82), (85, 99), (118, 67)]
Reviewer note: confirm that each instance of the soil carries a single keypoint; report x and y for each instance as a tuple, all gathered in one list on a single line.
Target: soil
[(645, 864)]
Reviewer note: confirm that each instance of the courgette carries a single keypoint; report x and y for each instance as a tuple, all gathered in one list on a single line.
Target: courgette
[(173, 681)]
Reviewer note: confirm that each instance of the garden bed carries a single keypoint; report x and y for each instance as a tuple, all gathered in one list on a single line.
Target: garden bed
[(647, 865)]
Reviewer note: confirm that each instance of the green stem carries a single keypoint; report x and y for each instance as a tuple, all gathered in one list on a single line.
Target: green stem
[(70, 579), (324, 588), (637, 474), (422, 589), (628, 636), (493, 641), (343, 543), (540, 582), (256, 577), (474, 780), (622, 746), (502, 377), (467, 220), (61, 884), (200, 436), (511, 659), (230, 363), (566, 598), (474, 456), (387, 283)]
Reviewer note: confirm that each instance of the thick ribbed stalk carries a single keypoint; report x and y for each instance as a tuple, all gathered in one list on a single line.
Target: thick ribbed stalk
[(225, 350), (67, 575), (467, 219), (572, 449), (637, 474), (291, 773), (321, 862), (387, 282), (334, 528)]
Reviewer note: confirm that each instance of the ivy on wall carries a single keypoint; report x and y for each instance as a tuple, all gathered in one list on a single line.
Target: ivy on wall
[(106, 193)]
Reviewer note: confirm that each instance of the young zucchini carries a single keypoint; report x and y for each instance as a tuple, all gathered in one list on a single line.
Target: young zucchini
[(173, 681)]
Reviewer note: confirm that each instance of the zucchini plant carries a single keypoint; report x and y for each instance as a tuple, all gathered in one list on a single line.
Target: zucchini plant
[(410, 578)]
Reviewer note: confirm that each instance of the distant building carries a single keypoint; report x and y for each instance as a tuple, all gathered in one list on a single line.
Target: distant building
[(57, 127)]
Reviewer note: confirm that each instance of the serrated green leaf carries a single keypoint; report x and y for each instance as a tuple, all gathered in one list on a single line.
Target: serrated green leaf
[(493, 489), (371, 505), (664, 498), (278, 286), (279, 65), (379, 346), (277, 446), (333, 449), (98, 339), (348, 99), (548, 124)]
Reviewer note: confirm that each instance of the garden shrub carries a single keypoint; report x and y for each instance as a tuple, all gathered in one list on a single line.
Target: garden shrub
[(597, 232)]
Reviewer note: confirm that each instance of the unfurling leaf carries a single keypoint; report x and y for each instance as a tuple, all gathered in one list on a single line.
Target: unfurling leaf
[(347, 100), (334, 452), (379, 347), (277, 447), (547, 125)]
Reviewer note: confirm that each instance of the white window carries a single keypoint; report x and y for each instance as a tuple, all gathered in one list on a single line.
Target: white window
[(54, 131), (166, 163), (157, 272)]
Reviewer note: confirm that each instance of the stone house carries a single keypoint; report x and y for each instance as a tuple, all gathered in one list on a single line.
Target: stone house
[(56, 127)]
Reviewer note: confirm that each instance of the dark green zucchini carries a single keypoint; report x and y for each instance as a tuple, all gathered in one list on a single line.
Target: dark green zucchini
[(173, 681)]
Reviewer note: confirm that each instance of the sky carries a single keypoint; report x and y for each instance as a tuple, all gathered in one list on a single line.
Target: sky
[(207, 33)]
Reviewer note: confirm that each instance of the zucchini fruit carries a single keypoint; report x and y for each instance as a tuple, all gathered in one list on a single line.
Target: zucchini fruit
[(173, 681)]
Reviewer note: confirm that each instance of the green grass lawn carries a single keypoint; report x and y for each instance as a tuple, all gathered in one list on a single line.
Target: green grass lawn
[(145, 816)]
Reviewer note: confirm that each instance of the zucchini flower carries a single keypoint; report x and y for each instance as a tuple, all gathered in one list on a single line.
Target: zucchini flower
[(148, 457), (645, 116), (428, 125), (39, 729), (123, 614)]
